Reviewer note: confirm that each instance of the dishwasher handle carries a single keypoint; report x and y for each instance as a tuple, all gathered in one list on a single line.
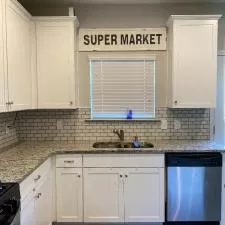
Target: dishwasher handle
[(212, 159)]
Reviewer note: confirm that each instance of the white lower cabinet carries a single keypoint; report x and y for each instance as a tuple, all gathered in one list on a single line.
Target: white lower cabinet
[(87, 191), (144, 194), (28, 210), (36, 209), (43, 203), (124, 195), (36, 196), (103, 195), (69, 194)]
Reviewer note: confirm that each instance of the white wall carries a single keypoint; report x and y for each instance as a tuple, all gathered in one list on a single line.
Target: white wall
[(130, 16)]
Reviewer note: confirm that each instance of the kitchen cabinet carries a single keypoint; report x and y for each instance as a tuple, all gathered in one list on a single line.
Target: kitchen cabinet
[(192, 61), (2, 64), (69, 194), (43, 203), (18, 48), (143, 188), (69, 188), (36, 196), (103, 195), (55, 41), (28, 210), (120, 193)]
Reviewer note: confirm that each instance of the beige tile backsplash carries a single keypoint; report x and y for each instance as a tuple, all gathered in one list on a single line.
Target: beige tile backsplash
[(10, 135), (42, 125)]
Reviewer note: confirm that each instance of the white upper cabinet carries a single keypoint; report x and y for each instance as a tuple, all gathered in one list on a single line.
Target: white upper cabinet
[(18, 56), (55, 39), (2, 55), (192, 49)]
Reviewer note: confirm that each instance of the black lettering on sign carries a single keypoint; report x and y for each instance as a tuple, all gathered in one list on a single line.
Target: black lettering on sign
[(152, 39), (113, 39), (86, 39), (107, 42), (132, 41), (159, 38), (138, 39), (124, 39), (145, 39), (94, 39), (100, 38)]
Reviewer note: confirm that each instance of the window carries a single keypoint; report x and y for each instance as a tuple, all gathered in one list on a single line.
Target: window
[(119, 85)]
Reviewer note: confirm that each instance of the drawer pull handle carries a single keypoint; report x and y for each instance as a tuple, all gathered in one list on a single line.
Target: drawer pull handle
[(36, 179), (68, 161), (38, 195)]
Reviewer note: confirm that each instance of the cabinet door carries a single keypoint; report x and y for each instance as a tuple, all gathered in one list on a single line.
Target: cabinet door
[(55, 64), (3, 72), (28, 216), (144, 195), (103, 195), (69, 194), (195, 58), (18, 55), (43, 203)]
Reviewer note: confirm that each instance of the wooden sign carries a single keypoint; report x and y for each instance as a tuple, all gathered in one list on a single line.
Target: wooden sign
[(122, 39)]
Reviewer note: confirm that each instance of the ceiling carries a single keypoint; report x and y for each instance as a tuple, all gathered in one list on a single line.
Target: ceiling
[(72, 2)]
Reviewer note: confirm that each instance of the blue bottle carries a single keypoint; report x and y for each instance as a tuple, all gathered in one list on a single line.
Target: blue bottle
[(129, 114)]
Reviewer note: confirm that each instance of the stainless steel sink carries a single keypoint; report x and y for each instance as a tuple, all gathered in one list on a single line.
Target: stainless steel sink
[(120, 145)]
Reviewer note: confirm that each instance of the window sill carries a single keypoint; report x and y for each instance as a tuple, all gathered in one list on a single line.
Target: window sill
[(123, 120)]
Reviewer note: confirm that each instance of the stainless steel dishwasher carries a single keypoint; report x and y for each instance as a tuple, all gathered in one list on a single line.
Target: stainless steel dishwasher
[(193, 188)]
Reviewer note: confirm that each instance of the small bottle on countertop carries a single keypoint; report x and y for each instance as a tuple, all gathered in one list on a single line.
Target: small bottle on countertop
[(136, 143)]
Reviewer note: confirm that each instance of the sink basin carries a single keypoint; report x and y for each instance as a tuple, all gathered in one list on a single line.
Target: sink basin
[(119, 145)]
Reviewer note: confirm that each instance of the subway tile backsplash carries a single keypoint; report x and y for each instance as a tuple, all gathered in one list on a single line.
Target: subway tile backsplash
[(42, 125), (8, 136)]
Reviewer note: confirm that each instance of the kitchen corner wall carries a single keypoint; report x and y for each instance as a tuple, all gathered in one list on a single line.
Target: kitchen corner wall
[(9, 136), (41, 125)]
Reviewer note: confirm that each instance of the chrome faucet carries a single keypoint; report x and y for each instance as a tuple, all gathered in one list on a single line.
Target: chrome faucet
[(120, 134)]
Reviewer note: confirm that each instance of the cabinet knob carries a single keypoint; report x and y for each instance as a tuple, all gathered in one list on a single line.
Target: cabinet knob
[(175, 101), (126, 175), (36, 179), (71, 103), (121, 175), (78, 175), (38, 195)]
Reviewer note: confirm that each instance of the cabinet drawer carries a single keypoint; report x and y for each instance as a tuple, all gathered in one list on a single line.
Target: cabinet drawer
[(36, 178), (69, 160), (124, 160)]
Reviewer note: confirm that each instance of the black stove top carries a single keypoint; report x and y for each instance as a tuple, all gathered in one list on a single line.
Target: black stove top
[(5, 187), (9, 202)]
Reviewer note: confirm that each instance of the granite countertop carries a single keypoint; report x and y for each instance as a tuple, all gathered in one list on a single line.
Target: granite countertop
[(20, 160)]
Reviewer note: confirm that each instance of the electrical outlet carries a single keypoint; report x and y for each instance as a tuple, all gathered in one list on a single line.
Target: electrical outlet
[(163, 124), (59, 124), (177, 124)]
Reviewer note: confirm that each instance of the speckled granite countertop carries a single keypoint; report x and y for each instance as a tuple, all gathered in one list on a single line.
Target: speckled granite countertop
[(20, 160)]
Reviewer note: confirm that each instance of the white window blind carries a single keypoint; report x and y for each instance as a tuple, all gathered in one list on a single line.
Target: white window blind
[(119, 85)]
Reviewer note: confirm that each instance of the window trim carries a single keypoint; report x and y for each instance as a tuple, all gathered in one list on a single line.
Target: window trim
[(137, 57)]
